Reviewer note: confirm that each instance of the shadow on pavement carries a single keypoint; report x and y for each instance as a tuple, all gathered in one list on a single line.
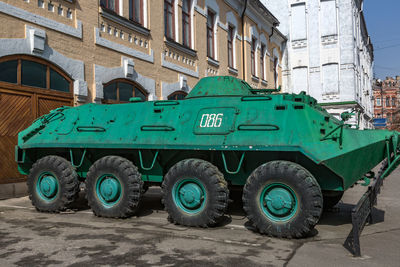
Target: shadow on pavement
[(341, 214)]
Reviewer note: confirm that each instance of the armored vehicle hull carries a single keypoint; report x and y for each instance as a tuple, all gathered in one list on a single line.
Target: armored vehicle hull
[(291, 156)]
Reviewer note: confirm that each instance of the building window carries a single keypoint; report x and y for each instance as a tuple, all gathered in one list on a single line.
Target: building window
[(300, 76), (276, 72), (299, 22), (230, 46), (210, 34), (329, 21), (169, 27), (393, 102), (32, 72), (253, 56), (112, 5), (378, 102), (120, 91), (330, 82), (388, 101), (177, 95), (186, 22), (262, 66), (136, 11)]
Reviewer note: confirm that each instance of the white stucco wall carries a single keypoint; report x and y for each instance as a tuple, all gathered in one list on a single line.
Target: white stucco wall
[(326, 49)]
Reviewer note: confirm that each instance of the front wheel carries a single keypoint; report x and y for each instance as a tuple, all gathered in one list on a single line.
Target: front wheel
[(195, 193), (282, 199), (53, 184)]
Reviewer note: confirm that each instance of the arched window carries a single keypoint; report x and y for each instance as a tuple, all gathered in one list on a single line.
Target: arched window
[(28, 72), (177, 95), (120, 90)]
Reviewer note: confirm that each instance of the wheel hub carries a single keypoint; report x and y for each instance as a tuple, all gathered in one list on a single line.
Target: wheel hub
[(48, 186), (108, 190), (279, 202), (190, 195)]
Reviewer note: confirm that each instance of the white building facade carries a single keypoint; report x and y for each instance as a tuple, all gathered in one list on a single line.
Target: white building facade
[(329, 54)]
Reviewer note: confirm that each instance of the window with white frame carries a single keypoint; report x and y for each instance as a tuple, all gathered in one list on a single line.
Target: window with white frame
[(210, 34), (186, 22), (253, 55), (232, 35), (330, 74), (300, 79), (231, 41), (328, 18), (378, 102), (169, 19), (276, 62), (112, 5), (262, 63), (136, 11), (299, 23)]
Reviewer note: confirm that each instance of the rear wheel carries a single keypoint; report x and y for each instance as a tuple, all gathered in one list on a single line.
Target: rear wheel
[(53, 184), (113, 187), (195, 193), (282, 199)]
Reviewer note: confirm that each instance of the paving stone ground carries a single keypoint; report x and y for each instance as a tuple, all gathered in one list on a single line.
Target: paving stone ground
[(78, 238)]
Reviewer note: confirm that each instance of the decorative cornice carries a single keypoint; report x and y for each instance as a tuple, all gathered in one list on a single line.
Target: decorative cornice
[(125, 22), (122, 48), (41, 21), (175, 67), (180, 47)]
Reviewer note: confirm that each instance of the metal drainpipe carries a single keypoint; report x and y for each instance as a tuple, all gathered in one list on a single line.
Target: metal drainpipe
[(243, 57)]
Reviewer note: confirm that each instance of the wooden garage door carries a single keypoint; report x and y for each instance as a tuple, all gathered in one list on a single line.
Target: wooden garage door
[(21, 104)]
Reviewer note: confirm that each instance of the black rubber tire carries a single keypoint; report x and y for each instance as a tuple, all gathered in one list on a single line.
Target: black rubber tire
[(131, 183), (67, 179), (331, 199), (303, 184), (214, 184)]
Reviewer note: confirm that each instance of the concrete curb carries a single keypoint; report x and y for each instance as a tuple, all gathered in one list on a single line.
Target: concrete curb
[(13, 190)]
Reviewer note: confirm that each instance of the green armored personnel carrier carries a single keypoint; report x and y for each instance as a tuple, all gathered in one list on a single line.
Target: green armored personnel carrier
[(290, 156)]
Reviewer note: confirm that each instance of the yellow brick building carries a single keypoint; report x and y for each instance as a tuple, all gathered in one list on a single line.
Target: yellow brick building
[(70, 52)]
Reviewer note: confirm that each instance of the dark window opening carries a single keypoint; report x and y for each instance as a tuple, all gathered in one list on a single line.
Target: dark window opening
[(136, 11), (253, 57), (262, 75), (111, 5), (177, 95), (169, 26), (186, 23), (9, 71), (230, 46), (121, 91), (210, 34), (33, 72)]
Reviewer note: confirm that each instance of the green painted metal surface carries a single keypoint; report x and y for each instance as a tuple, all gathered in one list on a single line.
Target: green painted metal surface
[(108, 190), (47, 186), (278, 202), (223, 121), (189, 195)]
